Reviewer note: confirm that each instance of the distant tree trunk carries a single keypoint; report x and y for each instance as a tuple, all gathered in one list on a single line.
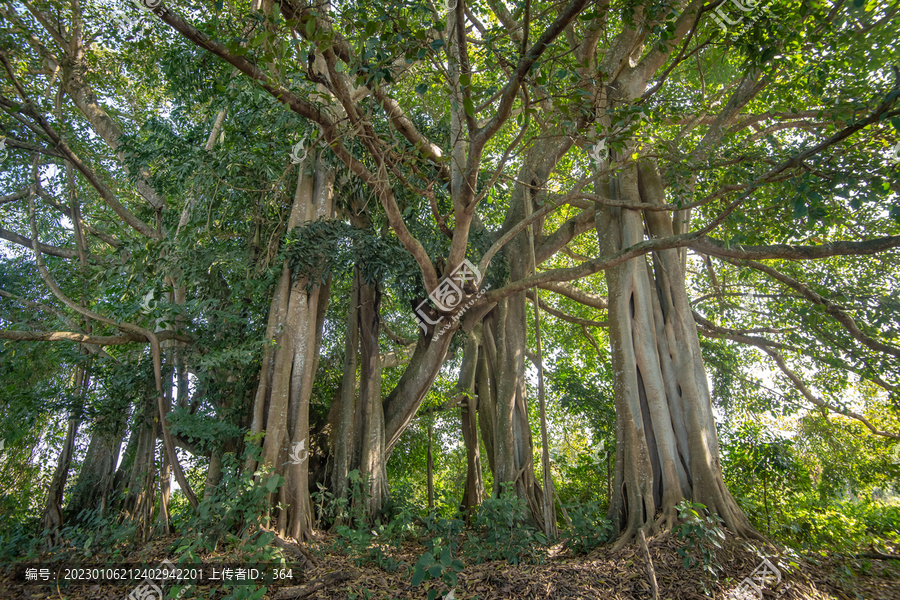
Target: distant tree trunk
[(468, 403), (548, 507), (429, 467), (95, 479), (213, 472), (344, 436), (53, 511), (666, 447), (165, 491), (139, 468), (165, 471)]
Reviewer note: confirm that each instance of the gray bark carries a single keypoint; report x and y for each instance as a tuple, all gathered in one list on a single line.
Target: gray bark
[(666, 438)]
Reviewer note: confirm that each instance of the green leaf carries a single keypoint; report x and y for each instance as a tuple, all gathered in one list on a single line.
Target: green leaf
[(258, 594), (421, 89), (418, 576), (470, 109), (272, 484)]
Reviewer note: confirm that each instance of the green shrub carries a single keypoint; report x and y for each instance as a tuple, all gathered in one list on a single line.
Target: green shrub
[(359, 540), (589, 529), (703, 534), (501, 531), (443, 566)]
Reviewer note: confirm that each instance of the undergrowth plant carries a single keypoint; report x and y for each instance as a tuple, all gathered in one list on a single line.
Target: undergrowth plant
[(442, 566), (501, 531), (590, 527), (362, 541), (702, 533), (231, 520)]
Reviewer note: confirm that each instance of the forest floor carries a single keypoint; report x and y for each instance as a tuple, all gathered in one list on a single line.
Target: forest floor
[(604, 574)]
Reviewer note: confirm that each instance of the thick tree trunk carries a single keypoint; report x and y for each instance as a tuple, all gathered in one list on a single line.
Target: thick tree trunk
[(513, 447), (371, 412), (505, 340), (666, 448), (404, 400), (486, 389), (297, 333)]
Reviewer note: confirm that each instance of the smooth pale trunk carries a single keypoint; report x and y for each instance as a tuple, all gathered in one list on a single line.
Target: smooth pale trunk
[(344, 436), (468, 402), (371, 412), (294, 323), (666, 439)]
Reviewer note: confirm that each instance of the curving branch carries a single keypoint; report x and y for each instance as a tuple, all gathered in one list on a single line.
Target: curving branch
[(571, 292), (711, 330), (714, 247), (126, 327), (511, 90), (15, 238), (60, 145), (485, 261), (565, 316), (830, 307), (83, 338), (798, 383)]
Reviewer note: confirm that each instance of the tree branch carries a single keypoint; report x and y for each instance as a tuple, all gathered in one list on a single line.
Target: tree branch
[(15, 238), (83, 338), (127, 327), (565, 316), (830, 308)]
